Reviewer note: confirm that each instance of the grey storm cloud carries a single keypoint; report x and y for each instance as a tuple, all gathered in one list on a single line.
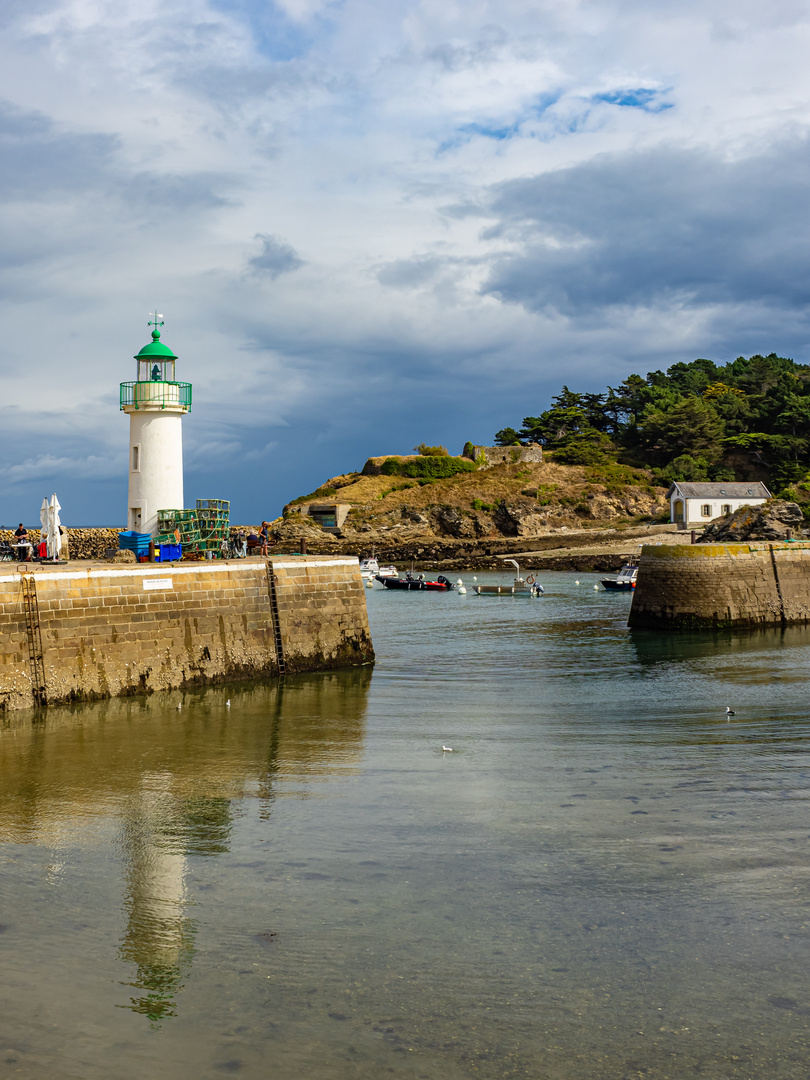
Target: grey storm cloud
[(276, 257), (41, 162), (652, 228)]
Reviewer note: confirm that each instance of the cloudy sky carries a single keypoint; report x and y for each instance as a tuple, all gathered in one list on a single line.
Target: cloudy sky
[(371, 223)]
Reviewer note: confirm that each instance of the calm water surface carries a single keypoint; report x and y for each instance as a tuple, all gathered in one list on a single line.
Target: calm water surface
[(606, 878)]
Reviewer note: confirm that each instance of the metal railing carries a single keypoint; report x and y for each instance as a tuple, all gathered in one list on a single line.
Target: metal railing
[(155, 395)]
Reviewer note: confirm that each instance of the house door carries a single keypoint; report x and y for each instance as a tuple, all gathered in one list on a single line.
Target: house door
[(677, 510)]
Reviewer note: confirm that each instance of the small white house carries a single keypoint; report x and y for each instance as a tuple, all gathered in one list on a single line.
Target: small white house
[(697, 504)]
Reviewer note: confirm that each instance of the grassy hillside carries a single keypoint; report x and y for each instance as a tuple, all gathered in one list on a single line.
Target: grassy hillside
[(505, 500)]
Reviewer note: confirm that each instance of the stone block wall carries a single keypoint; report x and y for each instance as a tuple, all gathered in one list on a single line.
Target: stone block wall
[(119, 630), (712, 586)]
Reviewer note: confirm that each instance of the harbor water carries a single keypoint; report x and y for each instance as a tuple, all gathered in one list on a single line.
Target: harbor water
[(605, 877)]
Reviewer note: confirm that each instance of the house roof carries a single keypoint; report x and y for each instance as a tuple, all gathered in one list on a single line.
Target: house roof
[(730, 489)]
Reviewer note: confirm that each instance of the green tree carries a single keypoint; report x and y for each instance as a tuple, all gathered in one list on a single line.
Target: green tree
[(688, 427), (507, 437)]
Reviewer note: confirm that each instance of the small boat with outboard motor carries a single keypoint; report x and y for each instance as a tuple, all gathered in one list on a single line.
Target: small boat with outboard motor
[(412, 582), (625, 580), (441, 584), (519, 587)]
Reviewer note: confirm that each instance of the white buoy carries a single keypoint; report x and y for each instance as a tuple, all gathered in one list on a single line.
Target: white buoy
[(596, 587), (369, 583), (460, 587), (576, 583)]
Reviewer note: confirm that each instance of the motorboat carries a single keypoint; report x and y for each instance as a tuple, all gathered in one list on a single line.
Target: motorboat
[(370, 568), (519, 587), (441, 584), (625, 580), (411, 581)]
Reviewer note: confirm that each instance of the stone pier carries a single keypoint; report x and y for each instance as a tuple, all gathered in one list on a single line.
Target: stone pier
[(714, 586), (99, 630)]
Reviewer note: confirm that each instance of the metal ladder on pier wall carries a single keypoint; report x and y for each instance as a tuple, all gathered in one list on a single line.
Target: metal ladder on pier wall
[(271, 589), (34, 634)]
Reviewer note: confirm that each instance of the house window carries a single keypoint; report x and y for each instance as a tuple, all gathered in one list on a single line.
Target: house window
[(706, 510), (136, 459), (725, 508)]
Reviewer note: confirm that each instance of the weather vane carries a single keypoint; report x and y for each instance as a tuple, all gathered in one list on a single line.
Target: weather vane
[(154, 316)]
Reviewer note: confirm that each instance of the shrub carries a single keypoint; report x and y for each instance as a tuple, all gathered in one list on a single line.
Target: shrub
[(581, 453), (431, 451), (468, 451), (433, 467), (478, 504)]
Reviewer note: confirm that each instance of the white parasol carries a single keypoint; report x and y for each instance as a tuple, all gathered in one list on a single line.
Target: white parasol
[(54, 535), (43, 519)]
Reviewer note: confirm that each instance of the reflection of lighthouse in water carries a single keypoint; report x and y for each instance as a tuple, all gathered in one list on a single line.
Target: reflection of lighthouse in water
[(162, 832)]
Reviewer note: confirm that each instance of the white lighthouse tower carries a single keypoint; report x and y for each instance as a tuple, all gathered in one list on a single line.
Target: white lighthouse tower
[(156, 404)]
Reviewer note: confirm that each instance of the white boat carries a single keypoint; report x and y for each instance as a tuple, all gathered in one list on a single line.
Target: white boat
[(370, 568), (625, 581), (519, 587)]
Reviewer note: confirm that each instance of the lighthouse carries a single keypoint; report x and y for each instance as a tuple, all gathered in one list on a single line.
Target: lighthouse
[(156, 404)]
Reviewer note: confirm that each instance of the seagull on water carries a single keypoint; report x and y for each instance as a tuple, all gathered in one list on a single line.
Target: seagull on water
[(228, 703), (447, 749), (729, 712), (180, 706)]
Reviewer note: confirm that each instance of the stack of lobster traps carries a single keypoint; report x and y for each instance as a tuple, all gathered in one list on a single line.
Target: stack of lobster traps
[(205, 529), (214, 525), (179, 527)]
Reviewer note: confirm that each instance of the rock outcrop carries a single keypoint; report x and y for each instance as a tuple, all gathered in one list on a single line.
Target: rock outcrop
[(773, 520), (518, 519)]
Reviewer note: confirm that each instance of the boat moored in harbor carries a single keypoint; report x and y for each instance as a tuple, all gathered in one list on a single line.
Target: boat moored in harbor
[(441, 584), (519, 587), (625, 580), (370, 568), (412, 582)]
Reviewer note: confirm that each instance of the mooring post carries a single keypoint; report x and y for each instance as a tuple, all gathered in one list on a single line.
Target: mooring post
[(694, 534), (303, 545)]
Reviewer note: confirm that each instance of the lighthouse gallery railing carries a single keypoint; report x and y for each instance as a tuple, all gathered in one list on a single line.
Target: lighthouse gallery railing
[(155, 394)]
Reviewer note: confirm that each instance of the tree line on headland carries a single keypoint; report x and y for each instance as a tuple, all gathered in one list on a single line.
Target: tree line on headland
[(746, 419)]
